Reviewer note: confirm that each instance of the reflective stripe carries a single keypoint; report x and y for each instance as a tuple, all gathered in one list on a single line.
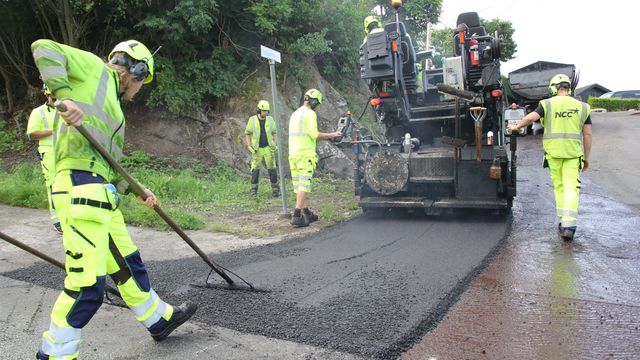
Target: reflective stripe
[(61, 342), (569, 223), (61, 334), (565, 212), (140, 310), (60, 350), (43, 115), (254, 120), (299, 134), (305, 186), (50, 54), (548, 129), (156, 315), (101, 92), (100, 114), (584, 113), (302, 177), (563, 136), (51, 72), (301, 123)]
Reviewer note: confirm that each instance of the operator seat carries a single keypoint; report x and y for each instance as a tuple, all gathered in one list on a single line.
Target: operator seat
[(375, 57), (407, 55), (472, 20)]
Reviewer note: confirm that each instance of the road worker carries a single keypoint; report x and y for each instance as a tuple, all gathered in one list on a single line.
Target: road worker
[(372, 25), (260, 138), (96, 240), (567, 144), (303, 133), (39, 128)]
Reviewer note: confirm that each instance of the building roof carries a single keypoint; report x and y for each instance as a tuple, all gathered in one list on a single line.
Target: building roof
[(594, 86)]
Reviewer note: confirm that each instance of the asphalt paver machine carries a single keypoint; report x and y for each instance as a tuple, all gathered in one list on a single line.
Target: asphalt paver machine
[(444, 143)]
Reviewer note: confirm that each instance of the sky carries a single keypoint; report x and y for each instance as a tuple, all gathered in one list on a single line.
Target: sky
[(599, 37)]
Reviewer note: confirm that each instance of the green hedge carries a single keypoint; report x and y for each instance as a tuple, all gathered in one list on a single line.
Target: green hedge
[(613, 104)]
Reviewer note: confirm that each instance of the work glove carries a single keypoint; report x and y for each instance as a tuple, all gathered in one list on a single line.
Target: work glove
[(274, 148), (252, 149)]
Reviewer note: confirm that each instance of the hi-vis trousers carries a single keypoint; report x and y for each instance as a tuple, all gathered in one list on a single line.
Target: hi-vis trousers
[(96, 243), (565, 174), (302, 167), (266, 154)]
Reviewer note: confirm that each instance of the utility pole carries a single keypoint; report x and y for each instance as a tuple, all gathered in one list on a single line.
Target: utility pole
[(274, 56)]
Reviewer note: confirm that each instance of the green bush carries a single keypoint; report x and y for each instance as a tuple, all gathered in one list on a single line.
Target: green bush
[(613, 104), (9, 141)]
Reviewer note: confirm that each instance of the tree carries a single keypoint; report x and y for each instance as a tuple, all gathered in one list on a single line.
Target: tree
[(505, 31), (416, 13), (208, 46)]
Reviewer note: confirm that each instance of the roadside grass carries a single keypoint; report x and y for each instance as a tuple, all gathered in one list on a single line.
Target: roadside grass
[(196, 198), (23, 186)]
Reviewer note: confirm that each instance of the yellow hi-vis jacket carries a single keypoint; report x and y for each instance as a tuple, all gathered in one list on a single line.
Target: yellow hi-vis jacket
[(41, 119), (83, 77), (303, 132), (253, 129), (563, 120)]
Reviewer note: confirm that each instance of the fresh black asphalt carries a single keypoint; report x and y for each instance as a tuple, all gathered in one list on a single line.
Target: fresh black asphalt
[(371, 286)]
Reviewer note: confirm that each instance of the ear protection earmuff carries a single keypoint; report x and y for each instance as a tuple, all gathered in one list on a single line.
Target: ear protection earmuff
[(313, 103), (553, 89), (138, 69)]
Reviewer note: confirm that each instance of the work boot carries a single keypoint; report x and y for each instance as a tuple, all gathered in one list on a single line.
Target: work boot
[(42, 356), (310, 215), (57, 228), (253, 191), (298, 219), (275, 190), (566, 233), (180, 314)]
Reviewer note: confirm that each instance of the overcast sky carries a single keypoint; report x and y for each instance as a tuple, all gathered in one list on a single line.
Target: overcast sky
[(599, 37)]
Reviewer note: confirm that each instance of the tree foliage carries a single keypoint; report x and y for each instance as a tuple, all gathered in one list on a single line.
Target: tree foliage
[(416, 13), (208, 46)]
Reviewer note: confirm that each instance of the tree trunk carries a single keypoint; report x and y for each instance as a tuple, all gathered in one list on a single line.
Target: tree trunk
[(8, 88)]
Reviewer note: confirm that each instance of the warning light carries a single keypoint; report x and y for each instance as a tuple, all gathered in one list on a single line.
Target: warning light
[(375, 102), (496, 93)]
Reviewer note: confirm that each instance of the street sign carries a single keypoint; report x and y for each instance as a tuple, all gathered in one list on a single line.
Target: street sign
[(270, 54)]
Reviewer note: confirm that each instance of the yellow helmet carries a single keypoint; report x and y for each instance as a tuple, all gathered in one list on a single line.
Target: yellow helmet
[(263, 105), (314, 97), (370, 20), (137, 51), (556, 81)]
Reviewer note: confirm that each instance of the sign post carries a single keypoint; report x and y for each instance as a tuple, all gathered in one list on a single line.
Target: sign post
[(274, 56)]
